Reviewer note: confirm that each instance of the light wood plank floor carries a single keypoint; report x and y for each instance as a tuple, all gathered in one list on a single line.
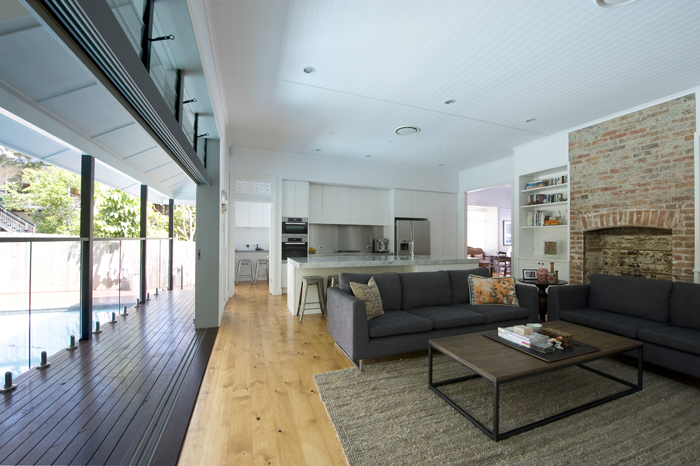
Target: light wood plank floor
[(258, 402)]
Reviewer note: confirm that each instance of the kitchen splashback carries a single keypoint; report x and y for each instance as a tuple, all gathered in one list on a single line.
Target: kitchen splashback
[(343, 237)]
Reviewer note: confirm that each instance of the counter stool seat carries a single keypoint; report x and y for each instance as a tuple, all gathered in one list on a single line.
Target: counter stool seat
[(265, 263), (241, 263), (303, 295)]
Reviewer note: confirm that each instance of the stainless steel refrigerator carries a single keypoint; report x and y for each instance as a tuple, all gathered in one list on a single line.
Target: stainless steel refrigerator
[(409, 232)]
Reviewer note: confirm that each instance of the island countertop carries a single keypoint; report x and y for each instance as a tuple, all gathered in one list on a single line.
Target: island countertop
[(320, 262)]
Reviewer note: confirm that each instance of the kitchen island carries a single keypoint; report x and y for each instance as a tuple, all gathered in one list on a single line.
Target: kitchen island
[(323, 266)]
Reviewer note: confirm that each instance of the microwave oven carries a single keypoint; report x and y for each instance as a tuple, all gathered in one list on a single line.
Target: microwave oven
[(295, 226)]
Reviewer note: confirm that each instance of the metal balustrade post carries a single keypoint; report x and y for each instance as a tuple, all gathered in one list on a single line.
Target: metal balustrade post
[(87, 217), (171, 241), (144, 234)]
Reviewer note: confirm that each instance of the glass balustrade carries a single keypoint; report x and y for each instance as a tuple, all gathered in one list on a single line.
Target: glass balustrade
[(14, 307), (129, 13)]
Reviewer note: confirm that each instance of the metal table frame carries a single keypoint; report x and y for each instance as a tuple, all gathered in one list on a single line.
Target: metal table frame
[(494, 434)]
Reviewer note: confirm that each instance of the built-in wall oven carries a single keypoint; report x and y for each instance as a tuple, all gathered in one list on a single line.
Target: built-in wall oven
[(296, 226), (294, 246)]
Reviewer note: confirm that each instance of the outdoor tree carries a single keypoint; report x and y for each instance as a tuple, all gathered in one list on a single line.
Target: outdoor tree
[(13, 164), (185, 222), (118, 216)]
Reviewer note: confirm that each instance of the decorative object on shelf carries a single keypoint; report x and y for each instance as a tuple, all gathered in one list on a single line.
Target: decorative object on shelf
[(546, 183), (507, 238), (529, 274), (312, 250), (562, 217), (566, 340), (560, 197), (542, 275), (551, 278), (550, 248), (535, 327)]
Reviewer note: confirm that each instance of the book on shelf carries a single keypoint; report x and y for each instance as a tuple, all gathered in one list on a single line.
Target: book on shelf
[(538, 199), (545, 183)]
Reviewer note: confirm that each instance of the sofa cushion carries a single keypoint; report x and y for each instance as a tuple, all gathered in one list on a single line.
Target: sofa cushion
[(621, 324), (423, 289), (397, 323), (369, 293), (685, 305), (496, 312), (459, 284), (449, 317), (492, 290), (639, 297), (388, 283), (679, 338)]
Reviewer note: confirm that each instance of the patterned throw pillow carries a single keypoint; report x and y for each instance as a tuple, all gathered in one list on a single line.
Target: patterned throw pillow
[(492, 290), (369, 293)]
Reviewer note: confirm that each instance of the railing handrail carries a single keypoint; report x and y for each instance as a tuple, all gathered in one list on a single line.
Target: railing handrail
[(39, 239), (14, 221)]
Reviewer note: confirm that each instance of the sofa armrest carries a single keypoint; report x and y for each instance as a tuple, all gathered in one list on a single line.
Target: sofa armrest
[(347, 322), (527, 297), (562, 298)]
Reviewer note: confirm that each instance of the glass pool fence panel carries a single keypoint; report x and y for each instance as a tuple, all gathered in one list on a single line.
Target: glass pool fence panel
[(152, 265), (14, 308), (129, 272), (184, 264), (106, 276), (55, 297), (164, 259)]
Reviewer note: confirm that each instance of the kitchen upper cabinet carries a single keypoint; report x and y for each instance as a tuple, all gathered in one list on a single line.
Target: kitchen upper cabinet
[(449, 225), (419, 204), (330, 204), (256, 214), (402, 203), (295, 198), (241, 214), (383, 208), (343, 211), (355, 206), (369, 207), (315, 203), (267, 214), (436, 217)]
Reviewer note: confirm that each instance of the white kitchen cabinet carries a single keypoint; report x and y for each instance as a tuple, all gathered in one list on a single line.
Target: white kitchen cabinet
[(267, 214), (402, 203), (301, 200), (383, 208), (343, 211), (315, 203), (242, 213), (295, 198), (369, 207), (256, 214), (419, 204), (330, 204), (436, 217), (449, 225), (355, 206)]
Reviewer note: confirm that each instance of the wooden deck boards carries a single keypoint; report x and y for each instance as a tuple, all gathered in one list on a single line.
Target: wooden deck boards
[(94, 404)]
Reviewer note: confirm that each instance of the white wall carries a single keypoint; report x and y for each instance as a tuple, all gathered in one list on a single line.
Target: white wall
[(339, 171), (496, 173)]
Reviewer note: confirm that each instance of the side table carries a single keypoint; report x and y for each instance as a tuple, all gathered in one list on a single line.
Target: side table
[(542, 293)]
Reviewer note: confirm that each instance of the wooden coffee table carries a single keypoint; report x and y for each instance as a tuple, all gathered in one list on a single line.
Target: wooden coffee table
[(501, 364)]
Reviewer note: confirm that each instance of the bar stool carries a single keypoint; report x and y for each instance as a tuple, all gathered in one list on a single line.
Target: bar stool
[(333, 281), (306, 282), (241, 263), (257, 269)]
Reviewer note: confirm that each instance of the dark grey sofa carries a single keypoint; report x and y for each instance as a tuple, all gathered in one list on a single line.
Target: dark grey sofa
[(665, 315), (417, 307)]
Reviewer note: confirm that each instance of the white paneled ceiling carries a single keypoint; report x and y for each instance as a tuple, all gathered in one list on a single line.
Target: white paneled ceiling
[(381, 64)]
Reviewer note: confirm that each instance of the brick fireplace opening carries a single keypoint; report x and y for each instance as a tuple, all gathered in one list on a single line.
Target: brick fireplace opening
[(629, 251)]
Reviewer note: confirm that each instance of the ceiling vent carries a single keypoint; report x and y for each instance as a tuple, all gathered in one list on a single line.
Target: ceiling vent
[(406, 130), (613, 3)]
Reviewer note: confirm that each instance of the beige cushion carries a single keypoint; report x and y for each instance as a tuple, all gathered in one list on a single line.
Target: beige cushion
[(369, 293)]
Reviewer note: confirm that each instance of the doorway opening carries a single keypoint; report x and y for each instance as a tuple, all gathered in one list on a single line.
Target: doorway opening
[(488, 228)]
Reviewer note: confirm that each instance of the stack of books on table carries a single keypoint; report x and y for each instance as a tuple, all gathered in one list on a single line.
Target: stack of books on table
[(507, 333)]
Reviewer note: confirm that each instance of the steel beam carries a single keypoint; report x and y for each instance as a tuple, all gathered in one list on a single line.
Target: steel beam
[(87, 217)]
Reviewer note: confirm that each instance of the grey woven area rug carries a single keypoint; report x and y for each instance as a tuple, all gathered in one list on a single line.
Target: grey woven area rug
[(386, 415)]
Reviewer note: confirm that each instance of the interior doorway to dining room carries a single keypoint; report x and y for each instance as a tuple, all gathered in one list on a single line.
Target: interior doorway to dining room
[(488, 227)]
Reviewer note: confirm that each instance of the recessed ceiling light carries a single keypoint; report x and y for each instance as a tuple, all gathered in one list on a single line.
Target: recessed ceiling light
[(613, 3), (331, 132), (450, 102), (441, 165), (309, 70), (530, 119), (406, 130), (368, 156), (317, 150)]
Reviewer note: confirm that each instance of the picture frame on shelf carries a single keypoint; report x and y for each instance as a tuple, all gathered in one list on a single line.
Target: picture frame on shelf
[(560, 197), (507, 235), (529, 274)]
